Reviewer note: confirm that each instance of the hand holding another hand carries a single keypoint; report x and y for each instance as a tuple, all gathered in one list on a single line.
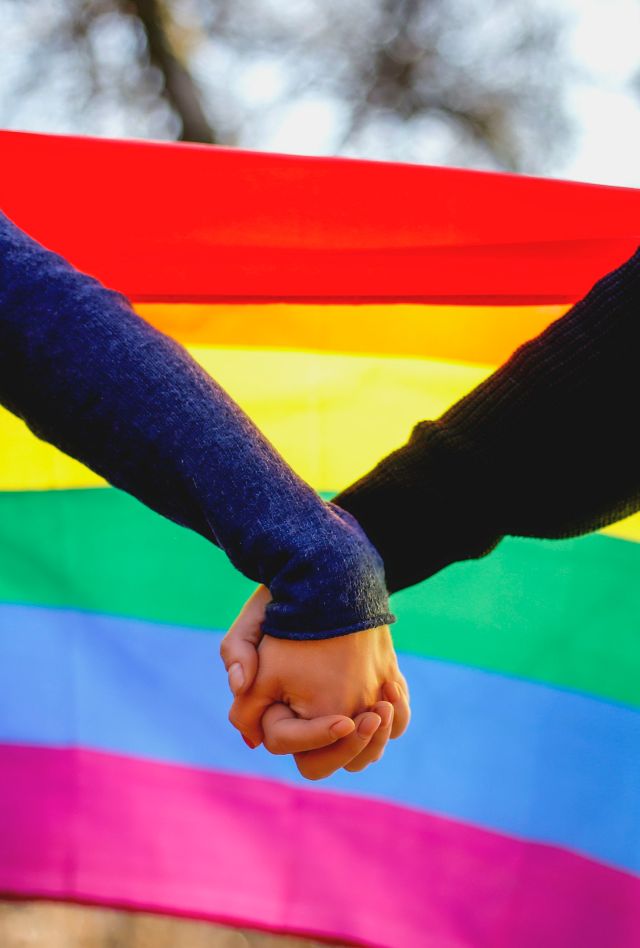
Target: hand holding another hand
[(331, 703)]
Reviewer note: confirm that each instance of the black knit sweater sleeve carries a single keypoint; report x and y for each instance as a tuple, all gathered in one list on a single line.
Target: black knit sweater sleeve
[(545, 447)]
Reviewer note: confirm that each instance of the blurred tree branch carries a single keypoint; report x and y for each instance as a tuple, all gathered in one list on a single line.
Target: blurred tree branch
[(444, 80), (180, 88)]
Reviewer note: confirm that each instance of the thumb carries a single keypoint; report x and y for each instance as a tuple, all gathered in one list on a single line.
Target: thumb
[(286, 733), (238, 649)]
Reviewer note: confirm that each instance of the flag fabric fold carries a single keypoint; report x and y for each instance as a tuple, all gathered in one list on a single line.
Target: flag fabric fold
[(339, 302)]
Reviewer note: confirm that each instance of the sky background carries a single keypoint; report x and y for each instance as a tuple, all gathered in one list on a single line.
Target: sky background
[(604, 40), (603, 44)]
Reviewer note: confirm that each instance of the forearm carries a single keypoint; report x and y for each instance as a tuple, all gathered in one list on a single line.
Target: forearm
[(545, 447), (88, 375)]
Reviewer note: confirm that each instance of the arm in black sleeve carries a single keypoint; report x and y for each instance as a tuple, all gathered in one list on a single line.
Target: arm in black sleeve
[(545, 447), (90, 376)]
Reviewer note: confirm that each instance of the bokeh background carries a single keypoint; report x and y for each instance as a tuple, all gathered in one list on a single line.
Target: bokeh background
[(532, 86), (537, 86)]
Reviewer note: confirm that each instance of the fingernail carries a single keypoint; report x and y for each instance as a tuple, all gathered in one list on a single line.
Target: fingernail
[(369, 725), (248, 742), (387, 716), (236, 677), (342, 728)]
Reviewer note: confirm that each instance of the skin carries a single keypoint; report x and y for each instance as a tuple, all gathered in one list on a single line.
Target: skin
[(331, 703)]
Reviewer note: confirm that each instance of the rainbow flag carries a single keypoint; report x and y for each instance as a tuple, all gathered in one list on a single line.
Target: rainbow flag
[(339, 302)]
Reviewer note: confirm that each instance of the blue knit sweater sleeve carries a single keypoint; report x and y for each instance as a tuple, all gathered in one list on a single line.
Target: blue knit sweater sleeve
[(90, 376)]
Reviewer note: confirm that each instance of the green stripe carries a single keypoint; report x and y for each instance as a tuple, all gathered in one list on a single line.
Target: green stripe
[(564, 612), (101, 550)]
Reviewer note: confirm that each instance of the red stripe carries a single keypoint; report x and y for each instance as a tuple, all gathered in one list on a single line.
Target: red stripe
[(240, 225), (112, 830)]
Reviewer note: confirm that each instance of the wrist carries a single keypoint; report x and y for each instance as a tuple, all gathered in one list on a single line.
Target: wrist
[(331, 586)]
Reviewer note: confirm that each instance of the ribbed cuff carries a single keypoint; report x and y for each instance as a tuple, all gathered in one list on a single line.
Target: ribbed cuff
[(373, 622), (334, 586)]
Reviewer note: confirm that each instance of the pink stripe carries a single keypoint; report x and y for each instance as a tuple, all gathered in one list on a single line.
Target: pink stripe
[(96, 827)]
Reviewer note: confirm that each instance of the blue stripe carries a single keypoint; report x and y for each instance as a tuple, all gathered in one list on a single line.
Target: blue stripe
[(509, 755)]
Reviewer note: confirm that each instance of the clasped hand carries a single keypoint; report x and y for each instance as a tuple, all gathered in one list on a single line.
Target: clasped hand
[(331, 703)]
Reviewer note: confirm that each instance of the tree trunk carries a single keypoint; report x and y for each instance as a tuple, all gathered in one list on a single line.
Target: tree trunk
[(180, 89)]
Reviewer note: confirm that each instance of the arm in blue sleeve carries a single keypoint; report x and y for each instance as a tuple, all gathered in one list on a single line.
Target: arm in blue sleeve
[(90, 376)]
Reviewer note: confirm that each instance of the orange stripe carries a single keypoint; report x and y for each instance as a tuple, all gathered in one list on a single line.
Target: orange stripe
[(482, 335)]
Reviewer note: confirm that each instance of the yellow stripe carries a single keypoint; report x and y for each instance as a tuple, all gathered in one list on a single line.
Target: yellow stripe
[(485, 335), (29, 464), (331, 416), (628, 529)]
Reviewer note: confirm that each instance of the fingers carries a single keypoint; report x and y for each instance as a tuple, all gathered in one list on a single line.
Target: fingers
[(241, 661), (286, 733), (238, 649), (397, 693), (375, 748), (316, 764), (395, 715), (246, 715)]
